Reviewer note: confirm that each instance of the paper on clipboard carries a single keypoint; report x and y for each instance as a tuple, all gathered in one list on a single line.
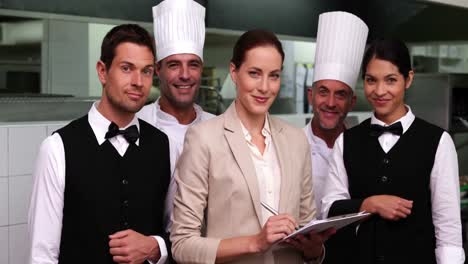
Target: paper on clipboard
[(337, 222)]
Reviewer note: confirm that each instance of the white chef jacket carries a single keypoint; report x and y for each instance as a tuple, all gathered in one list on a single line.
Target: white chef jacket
[(320, 154), (46, 209), (444, 186), (168, 124)]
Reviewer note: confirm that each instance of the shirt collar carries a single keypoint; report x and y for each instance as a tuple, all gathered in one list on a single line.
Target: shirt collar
[(100, 124), (266, 132), (405, 120), (313, 139), (160, 114)]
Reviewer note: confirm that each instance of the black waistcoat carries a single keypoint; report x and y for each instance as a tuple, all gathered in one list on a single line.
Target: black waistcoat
[(405, 172), (106, 193)]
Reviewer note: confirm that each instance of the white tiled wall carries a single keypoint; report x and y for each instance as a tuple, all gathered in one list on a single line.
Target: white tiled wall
[(3, 152), (3, 202), (4, 244), (19, 196), (23, 144), (18, 243), (52, 128), (19, 145)]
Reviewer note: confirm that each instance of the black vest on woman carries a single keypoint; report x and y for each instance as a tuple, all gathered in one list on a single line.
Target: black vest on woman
[(106, 193), (405, 172)]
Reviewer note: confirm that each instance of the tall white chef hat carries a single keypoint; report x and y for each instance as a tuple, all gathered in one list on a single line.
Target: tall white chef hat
[(179, 27), (341, 40)]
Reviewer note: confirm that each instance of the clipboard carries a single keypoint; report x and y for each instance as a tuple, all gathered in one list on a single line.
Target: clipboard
[(337, 222)]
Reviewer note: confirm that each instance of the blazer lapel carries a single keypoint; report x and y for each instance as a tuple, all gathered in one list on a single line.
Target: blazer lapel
[(281, 143), (240, 150)]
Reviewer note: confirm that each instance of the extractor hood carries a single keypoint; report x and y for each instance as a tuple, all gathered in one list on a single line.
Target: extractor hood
[(19, 33)]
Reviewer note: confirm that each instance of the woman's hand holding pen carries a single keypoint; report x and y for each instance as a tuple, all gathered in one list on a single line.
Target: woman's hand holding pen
[(389, 207), (277, 227)]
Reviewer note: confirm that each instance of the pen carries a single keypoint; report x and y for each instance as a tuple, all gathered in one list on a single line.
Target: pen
[(271, 210)]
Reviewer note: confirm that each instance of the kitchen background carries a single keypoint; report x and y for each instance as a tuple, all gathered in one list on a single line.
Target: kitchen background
[(49, 48)]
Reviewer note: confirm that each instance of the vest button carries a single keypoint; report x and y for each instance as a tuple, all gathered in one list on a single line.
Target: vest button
[(124, 182), (386, 161), (384, 179), (125, 203), (126, 225)]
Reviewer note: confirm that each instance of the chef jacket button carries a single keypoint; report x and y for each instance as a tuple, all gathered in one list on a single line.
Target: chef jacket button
[(384, 179), (386, 161)]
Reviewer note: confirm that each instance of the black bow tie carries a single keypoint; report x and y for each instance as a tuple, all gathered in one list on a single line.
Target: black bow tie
[(377, 130), (130, 133)]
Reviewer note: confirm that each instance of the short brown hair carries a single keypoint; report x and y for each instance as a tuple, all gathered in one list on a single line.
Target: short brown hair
[(132, 33), (252, 39)]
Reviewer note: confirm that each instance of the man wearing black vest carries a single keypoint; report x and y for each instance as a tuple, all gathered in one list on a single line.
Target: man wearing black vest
[(101, 181)]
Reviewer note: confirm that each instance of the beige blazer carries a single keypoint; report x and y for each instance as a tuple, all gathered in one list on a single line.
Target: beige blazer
[(218, 195)]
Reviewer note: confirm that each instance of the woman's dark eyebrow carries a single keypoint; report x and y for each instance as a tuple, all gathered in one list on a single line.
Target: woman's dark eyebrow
[(255, 68)]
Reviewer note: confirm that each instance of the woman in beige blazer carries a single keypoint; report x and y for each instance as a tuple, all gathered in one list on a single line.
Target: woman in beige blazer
[(239, 159)]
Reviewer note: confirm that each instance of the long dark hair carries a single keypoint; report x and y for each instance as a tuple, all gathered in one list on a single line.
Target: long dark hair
[(392, 50)]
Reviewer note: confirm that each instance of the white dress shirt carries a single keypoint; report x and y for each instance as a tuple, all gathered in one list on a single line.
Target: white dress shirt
[(268, 174), (444, 187), (320, 154), (46, 208), (175, 131), (267, 169)]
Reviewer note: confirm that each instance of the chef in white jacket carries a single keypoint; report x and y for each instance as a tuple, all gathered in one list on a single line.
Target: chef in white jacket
[(179, 33), (341, 39)]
